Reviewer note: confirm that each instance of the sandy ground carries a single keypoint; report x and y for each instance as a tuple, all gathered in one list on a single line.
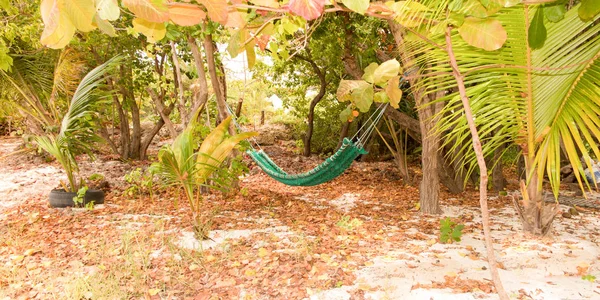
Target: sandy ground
[(422, 268)]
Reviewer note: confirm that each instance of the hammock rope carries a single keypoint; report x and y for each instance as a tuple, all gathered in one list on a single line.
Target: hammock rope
[(328, 170)]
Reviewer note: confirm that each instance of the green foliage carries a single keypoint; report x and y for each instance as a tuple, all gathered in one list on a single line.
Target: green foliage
[(589, 277), (348, 224), (140, 183), (184, 165), (76, 133), (78, 199), (380, 84), (450, 231)]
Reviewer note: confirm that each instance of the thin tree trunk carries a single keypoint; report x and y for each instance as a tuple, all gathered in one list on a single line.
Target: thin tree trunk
[(343, 134), (201, 92), (214, 79), (153, 132), (262, 117), (483, 177), (160, 108), (498, 180), (311, 110), (238, 109), (184, 114)]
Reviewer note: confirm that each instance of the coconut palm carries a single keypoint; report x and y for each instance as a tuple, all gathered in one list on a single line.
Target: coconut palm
[(76, 135), (36, 82), (537, 99), (185, 165)]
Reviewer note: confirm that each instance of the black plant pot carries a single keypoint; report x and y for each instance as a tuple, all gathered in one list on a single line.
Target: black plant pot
[(61, 198)]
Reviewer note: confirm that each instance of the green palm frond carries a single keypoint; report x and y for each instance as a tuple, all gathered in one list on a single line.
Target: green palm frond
[(567, 96), (86, 99), (564, 100), (77, 128)]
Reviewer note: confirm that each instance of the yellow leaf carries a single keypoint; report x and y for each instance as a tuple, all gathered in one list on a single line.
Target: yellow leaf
[(58, 29), (153, 292), (153, 31), (17, 258), (108, 9), (487, 34), (150, 10), (105, 26), (249, 272), (80, 12), (262, 252), (235, 20), (193, 267), (267, 3), (209, 258), (393, 91), (185, 14), (217, 10), (408, 13), (29, 252)]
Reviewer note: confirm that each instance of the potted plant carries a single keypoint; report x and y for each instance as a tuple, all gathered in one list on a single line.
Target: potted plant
[(76, 136)]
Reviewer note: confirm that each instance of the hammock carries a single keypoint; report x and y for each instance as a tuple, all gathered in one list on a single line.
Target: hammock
[(330, 169)]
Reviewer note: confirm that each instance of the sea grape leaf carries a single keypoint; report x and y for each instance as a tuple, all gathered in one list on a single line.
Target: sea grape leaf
[(108, 9), (150, 10), (487, 34), (359, 6), (368, 76), (386, 71), (362, 96), (185, 14), (393, 91), (154, 32), (308, 9)]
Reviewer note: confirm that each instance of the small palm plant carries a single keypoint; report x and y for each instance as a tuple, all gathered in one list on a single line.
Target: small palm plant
[(179, 164), (76, 135)]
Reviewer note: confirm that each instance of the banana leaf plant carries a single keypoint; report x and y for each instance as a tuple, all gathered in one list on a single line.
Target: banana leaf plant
[(189, 167), (76, 135)]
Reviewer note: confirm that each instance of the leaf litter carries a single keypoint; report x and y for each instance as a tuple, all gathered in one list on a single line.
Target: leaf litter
[(358, 236)]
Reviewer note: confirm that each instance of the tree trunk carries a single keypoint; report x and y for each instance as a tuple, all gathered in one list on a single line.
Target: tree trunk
[(262, 117), (238, 109), (311, 109), (429, 191), (201, 91), (150, 136), (430, 183), (214, 79), (183, 113), (160, 108), (483, 177), (343, 134), (498, 180)]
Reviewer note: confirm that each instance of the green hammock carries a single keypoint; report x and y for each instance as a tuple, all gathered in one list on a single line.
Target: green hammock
[(331, 168)]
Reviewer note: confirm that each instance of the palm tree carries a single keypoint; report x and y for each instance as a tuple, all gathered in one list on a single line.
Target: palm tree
[(76, 133), (188, 166), (36, 84), (536, 99)]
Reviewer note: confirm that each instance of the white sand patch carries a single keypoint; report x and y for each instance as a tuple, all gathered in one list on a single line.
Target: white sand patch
[(345, 203), (220, 237), (542, 269)]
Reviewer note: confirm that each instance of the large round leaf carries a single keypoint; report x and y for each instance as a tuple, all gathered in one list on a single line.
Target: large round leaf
[(153, 31), (487, 34), (185, 14), (150, 10), (359, 6), (308, 9)]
